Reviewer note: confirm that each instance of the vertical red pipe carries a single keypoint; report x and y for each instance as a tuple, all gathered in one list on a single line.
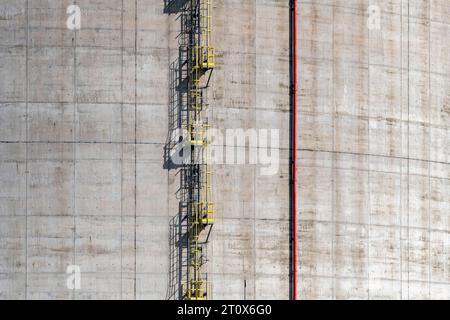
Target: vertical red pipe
[(294, 145)]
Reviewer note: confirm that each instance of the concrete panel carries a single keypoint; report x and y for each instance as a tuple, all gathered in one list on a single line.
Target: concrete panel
[(13, 250), (51, 122), (100, 286), (13, 23), (99, 75), (105, 123), (316, 250), (98, 244), (48, 286), (51, 77), (233, 249), (151, 184), (12, 74), (13, 183), (50, 244), (13, 120), (152, 234), (98, 180), (12, 286), (50, 180), (47, 24)]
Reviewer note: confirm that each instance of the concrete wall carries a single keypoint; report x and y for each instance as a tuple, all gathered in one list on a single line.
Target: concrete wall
[(374, 160), (84, 121)]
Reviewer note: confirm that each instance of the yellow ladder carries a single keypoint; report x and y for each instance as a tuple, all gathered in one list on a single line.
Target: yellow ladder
[(201, 211)]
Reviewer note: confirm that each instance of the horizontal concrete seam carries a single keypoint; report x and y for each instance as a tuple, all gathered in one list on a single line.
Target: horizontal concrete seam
[(376, 225), (312, 276)]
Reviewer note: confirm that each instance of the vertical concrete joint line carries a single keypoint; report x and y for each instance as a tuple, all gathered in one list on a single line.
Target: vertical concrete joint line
[(400, 219), (254, 169), (408, 150), (333, 173), (26, 146), (122, 152), (74, 144), (293, 146), (429, 148), (135, 143)]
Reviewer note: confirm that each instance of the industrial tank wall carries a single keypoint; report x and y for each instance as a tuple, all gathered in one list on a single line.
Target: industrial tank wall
[(250, 242), (374, 160), (84, 122)]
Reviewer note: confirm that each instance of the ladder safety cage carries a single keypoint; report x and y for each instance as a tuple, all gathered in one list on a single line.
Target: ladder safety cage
[(200, 62)]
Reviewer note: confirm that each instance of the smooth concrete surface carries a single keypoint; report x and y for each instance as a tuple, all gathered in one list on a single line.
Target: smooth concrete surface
[(84, 120), (374, 161)]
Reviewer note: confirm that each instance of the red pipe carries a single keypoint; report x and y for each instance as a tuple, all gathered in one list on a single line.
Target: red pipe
[(294, 146)]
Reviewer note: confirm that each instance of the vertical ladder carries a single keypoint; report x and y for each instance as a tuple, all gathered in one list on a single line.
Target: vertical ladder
[(200, 215)]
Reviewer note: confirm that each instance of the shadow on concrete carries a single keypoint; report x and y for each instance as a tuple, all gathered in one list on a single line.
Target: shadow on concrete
[(178, 242), (174, 6), (177, 104), (177, 110)]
